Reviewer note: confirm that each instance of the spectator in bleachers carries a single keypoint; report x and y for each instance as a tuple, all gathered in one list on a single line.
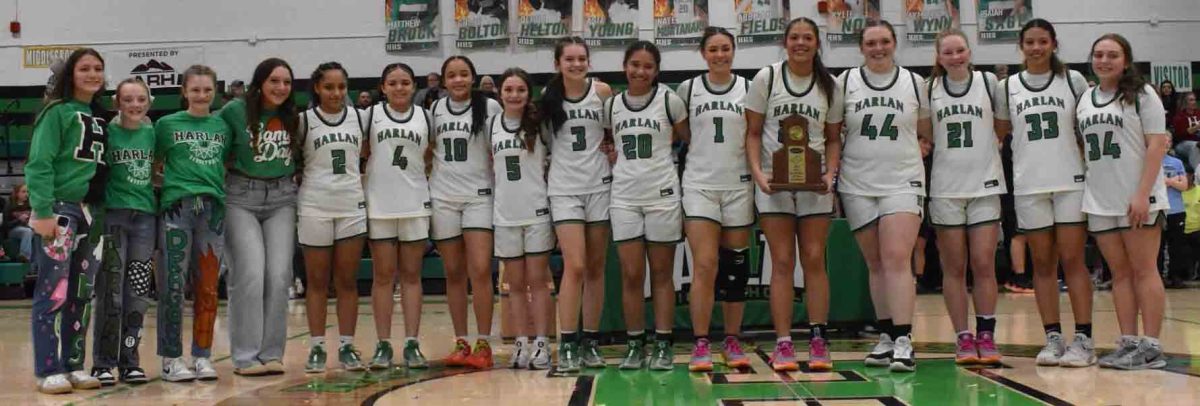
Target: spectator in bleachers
[(364, 100), (1166, 91), (1174, 244), (433, 90), (16, 222), (488, 86), (1187, 131)]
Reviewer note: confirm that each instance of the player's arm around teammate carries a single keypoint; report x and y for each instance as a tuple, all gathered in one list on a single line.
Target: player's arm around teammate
[(524, 234), (718, 195), (647, 219), (799, 86), (397, 192), (126, 278), (461, 190), (64, 174), (579, 190), (332, 225), (261, 209), (882, 183), (1125, 137), (192, 145), (1038, 109), (965, 189)]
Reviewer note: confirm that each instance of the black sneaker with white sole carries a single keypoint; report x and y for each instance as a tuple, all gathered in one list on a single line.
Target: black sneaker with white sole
[(903, 357), (105, 376), (133, 376), (881, 355)]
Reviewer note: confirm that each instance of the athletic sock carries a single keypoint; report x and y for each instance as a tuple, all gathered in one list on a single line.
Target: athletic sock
[(635, 335), (1084, 328), (409, 340), (986, 322), (886, 327), (1052, 328), (663, 335), (961, 333), (1153, 341), (816, 330), (522, 342), (903, 330), (783, 339), (591, 335), (569, 337), (345, 340), (316, 341), (701, 337)]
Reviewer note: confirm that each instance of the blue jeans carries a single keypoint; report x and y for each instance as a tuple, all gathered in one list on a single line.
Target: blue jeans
[(191, 241), (24, 234), (261, 233), (123, 287), (63, 294)]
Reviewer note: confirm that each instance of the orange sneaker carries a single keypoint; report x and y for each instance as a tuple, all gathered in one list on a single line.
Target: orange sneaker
[(481, 356), (458, 357)]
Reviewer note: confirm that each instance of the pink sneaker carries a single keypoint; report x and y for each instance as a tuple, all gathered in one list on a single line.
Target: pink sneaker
[(965, 351), (988, 354), (784, 357), (701, 357), (818, 355), (734, 356)]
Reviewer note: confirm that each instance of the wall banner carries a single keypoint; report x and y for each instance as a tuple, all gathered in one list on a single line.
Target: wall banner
[(847, 18), (413, 25), (157, 67), (761, 21), (1001, 20), (543, 22), (610, 22), (926, 18), (481, 23), (679, 23), (1179, 73)]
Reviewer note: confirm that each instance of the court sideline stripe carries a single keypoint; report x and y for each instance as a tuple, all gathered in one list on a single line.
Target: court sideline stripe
[(582, 394), (1019, 387)]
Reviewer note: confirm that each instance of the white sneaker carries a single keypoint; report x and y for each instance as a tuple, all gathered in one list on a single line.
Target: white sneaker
[(81, 380), (881, 355), (1081, 353), (1054, 349), (54, 384), (902, 356), (205, 370), (175, 370), (541, 356), (520, 358)]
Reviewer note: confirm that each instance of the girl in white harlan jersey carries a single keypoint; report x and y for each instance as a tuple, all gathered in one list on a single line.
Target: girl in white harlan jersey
[(398, 209), (1038, 109), (799, 86), (1125, 137), (333, 222), (461, 190), (524, 235), (718, 201), (882, 183), (965, 189), (580, 177), (646, 215)]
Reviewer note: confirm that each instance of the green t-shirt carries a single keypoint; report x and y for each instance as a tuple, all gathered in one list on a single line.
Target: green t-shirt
[(67, 144), (273, 157), (130, 157), (192, 150)]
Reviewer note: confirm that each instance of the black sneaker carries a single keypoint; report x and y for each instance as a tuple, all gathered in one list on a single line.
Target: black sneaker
[(105, 376), (133, 376)]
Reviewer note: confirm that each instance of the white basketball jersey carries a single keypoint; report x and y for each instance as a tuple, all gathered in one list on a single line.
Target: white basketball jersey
[(1045, 155), (644, 173), (1115, 150), (716, 158), (576, 164), (785, 100), (966, 154), (397, 186), (881, 154), (519, 177), (460, 158), (331, 186)]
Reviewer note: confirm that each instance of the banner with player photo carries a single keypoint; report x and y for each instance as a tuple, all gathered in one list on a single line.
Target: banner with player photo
[(926, 18), (847, 18), (157, 67), (679, 22), (761, 21), (543, 22), (481, 23), (1001, 20), (413, 25), (610, 22)]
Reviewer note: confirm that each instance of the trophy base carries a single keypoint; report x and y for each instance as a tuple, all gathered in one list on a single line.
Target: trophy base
[(795, 187)]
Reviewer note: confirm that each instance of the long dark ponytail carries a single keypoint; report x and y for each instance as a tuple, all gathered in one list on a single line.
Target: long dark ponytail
[(821, 73), (286, 111), (1056, 65), (478, 100), (1131, 84), (552, 99), (531, 120)]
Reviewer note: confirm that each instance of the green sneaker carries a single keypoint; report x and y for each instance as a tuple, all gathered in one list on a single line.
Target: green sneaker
[(635, 355), (591, 354), (316, 361), (383, 356), (568, 357), (413, 358), (350, 358), (662, 358)]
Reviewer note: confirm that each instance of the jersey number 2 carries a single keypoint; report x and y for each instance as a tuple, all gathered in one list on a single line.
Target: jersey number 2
[(339, 161)]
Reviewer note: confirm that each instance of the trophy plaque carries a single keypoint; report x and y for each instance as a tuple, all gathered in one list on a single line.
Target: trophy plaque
[(795, 166)]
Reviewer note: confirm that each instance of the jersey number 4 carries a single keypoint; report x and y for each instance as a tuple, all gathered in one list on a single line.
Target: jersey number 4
[(398, 158), (872, 132), (1097, 151), (636, 146)]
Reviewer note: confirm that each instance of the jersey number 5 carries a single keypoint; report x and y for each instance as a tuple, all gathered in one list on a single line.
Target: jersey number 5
[(512, 166)]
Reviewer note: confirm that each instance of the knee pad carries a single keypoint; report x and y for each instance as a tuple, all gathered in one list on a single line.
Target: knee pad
[(733, 272)]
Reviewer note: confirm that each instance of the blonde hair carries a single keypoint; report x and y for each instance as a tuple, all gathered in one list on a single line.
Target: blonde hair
[(131, 81), (938, 69)]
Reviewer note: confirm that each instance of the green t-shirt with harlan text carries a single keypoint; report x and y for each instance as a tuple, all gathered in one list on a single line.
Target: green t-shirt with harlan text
[(68, 143), (193, 151), (130, 157), (272, 156)]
